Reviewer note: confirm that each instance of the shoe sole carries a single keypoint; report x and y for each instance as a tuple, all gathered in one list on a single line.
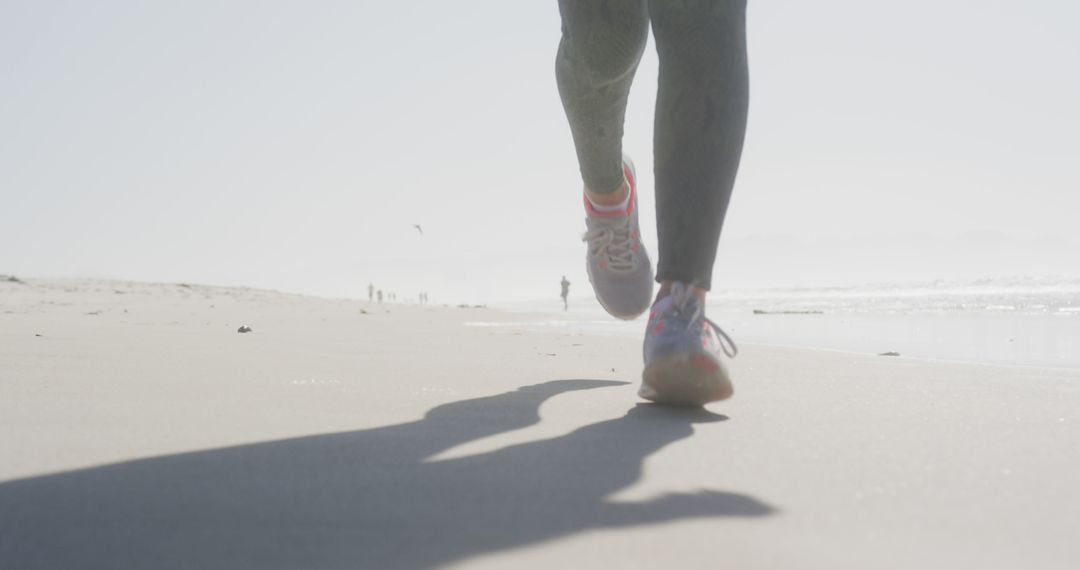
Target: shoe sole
[(685, 380), (617, 315)]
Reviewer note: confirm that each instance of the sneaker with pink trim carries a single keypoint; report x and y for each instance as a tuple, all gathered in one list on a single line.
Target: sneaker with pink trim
[(685, 353), (618, 266)]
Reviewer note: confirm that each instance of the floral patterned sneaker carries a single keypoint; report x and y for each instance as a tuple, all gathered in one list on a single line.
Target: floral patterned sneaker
[(685, 353)]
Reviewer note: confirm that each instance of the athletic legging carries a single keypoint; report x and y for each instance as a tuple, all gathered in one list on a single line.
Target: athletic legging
[(701, 107)]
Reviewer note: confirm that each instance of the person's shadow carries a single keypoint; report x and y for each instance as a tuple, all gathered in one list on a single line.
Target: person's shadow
[(362, 499)]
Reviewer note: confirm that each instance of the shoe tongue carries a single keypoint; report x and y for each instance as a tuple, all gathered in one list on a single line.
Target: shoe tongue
[(613, 222), (685, 302), (689, 307)]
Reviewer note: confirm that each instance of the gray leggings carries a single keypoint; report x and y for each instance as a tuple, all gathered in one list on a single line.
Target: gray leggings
[(700, 117)]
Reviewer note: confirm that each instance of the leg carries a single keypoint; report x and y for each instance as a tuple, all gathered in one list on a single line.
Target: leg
[(701, 109), (601, 45), (602, 42), (700, 123)]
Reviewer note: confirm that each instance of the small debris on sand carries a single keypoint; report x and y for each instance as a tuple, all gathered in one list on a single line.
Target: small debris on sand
[(363, 312), (890, 353), (243, 329), (761, 312), (38, 334)]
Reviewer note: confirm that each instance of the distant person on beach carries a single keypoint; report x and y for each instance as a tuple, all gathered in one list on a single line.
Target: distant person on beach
[(379, 295), (700, 122), (565, 293), (370, 291)]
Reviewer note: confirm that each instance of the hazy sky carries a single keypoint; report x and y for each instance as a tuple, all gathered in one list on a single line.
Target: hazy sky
[(292, 144)]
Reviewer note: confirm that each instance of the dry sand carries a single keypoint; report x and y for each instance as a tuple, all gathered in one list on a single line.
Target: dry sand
[(138, 429)]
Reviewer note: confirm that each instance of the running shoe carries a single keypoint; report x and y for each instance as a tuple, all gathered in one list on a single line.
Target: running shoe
[(618, 266), (685, 353)]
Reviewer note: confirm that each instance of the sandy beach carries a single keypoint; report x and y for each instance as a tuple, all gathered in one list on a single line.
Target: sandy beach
[(139, 429)]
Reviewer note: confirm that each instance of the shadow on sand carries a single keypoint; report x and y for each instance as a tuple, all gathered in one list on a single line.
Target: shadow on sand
[(362, 499)]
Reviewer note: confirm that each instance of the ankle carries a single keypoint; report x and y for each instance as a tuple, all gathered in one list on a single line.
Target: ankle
[(613, 198), (665, 290)]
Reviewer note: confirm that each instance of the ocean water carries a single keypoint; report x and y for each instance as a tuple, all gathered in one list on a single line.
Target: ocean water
[(1017, 321)]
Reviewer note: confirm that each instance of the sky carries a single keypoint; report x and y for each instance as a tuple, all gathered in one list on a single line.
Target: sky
[(292, 145)]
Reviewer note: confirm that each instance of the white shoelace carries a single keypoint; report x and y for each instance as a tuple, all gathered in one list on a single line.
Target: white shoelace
[(726, 344), (681, 297), (615, 243)]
